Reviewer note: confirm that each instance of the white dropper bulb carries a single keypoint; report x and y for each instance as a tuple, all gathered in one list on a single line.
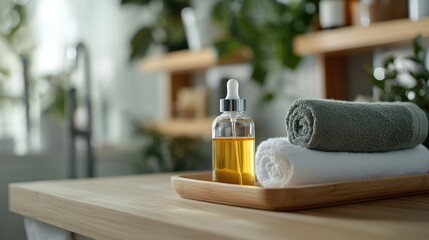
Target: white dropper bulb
[(232, 89), (232, 102)]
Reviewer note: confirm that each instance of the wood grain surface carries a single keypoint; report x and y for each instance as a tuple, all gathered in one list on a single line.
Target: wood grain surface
[(187, 61), (360, 38), (146, 207), (199, 186)]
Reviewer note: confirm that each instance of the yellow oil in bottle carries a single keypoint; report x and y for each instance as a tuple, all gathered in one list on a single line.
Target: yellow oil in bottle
[(233, 160)]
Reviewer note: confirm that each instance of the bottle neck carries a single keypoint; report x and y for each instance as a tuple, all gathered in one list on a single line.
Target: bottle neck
[(234, 113)]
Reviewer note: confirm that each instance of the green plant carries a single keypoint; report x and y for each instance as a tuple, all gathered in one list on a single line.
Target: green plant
[(267, 28), (53, 99), (16, 28), (14, 35), (388, 77), (163, 154), (166, 30)]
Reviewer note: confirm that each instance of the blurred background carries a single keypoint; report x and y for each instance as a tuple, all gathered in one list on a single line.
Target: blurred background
[(118, 87)]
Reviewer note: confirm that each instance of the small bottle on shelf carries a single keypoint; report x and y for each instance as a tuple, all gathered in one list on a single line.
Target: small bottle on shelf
[(233, 141), (332, 14)]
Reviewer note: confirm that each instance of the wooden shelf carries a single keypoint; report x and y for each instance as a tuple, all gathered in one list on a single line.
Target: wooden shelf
[(360, 38), (332, 46), (180, 65), (182, 127), (329, 41), (187, 61)]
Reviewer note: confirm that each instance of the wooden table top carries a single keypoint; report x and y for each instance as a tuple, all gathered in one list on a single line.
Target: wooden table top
[(136, 207)]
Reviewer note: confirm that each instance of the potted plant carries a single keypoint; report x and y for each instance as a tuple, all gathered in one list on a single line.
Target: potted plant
[(387, 78), (264, 28), (53, 97), (160, 153)]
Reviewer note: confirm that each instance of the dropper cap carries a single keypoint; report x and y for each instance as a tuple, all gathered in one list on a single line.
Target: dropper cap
[(232, 101)]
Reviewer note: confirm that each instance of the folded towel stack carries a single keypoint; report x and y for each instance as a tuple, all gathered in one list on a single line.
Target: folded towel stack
[(335, 141), (329, 125), (280, 164)]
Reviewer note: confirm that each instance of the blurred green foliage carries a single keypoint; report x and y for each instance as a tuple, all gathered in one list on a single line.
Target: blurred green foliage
[(389, 83), (16, 18), (14, 35), (267, 28), (53, 100), (167, 30), (162, 154)]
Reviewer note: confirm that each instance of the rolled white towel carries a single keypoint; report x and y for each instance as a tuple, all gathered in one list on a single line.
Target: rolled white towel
[(280, 164)]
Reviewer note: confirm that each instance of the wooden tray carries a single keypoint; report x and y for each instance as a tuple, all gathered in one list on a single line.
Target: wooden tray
[(199, 186)]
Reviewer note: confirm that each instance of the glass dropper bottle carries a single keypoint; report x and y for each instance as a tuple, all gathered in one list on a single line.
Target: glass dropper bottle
[(233, 141)]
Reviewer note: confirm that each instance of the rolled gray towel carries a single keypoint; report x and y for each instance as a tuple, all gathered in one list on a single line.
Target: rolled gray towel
[(330, 125)]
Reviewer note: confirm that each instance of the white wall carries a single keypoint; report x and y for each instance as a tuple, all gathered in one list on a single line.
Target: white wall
[(121, 93)]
